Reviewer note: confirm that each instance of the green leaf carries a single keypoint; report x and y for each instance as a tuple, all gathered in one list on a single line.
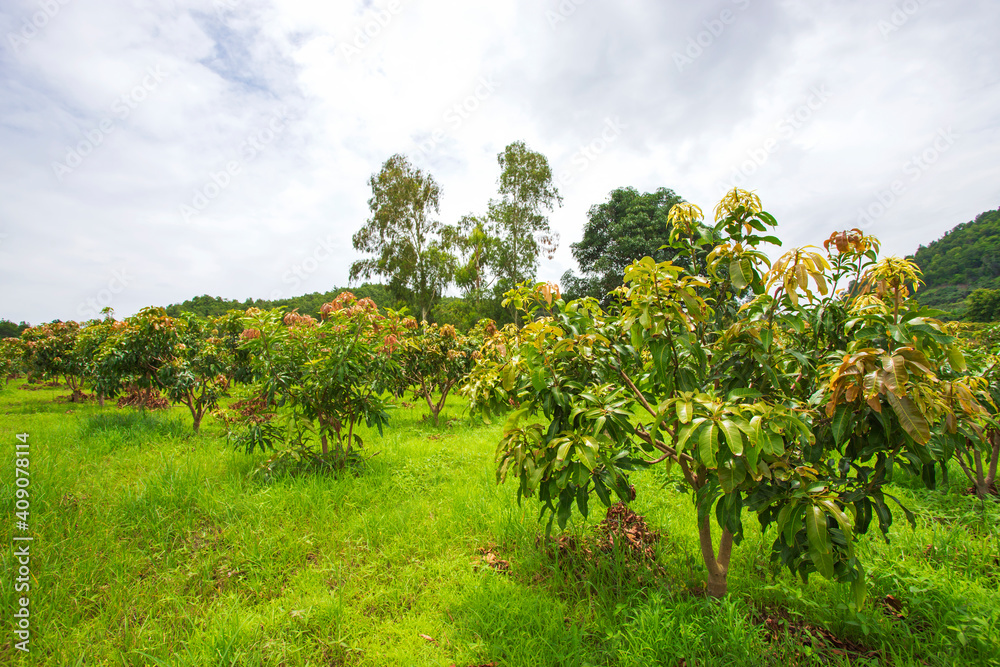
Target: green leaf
[(732, 473), (513, 419), (956, 358), (708, 443), (739, 280), (588, 452), (582, 495), (565, 507), (563, 450), (602, 492), (910, 516), (819, 541), (684, 434), (693, 305), (538, 379), (838, 515), (733, 436), (859, 589), (843, 422), (910, 418), (743, 392)]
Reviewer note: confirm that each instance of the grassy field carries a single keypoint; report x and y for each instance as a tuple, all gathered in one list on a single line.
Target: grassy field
[(156, 547)]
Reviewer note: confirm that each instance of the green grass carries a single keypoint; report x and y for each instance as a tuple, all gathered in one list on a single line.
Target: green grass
[(156, 547)]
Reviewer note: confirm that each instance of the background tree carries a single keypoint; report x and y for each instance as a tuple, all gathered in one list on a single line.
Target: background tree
[(517, 219), (10, 330), (404, 237), (983, 305), (627, 227), (88, 346)]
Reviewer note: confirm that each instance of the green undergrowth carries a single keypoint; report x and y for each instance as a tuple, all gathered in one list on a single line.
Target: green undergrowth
[(153, 546)]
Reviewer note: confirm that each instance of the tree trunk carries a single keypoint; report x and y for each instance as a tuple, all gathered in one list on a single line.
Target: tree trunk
[(434, 408), (197, 420), (718, 568), (991, 476)]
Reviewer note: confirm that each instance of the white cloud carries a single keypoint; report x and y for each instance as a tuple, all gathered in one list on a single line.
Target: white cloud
[(360, 81)]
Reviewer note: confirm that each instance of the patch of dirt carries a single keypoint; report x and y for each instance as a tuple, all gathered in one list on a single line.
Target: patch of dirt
[(778, 625)]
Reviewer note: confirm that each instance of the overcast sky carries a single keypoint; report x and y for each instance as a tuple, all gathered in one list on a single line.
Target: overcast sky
[(155, 151)]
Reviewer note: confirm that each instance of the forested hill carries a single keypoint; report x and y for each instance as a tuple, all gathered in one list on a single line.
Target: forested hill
[(965, 259), (307, 304)]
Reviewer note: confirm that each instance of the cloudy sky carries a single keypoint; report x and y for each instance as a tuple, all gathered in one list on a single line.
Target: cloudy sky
[(152, 151)]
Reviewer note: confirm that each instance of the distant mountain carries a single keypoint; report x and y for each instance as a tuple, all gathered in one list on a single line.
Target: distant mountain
[(965, 259)]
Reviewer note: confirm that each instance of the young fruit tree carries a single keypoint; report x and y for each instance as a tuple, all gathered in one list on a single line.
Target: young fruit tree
[(130, 358), (51, 353), (11, 358), (433, 360), (768, 390), (198, 373), (975, 444), (324, 377)]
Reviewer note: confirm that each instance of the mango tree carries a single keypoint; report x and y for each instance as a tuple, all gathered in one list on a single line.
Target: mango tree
[(51, 353), (432, 361), (198, 374), (329, 376), (976, 443), (11, 358), (130, 358), (92, 337), (755, 401)]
